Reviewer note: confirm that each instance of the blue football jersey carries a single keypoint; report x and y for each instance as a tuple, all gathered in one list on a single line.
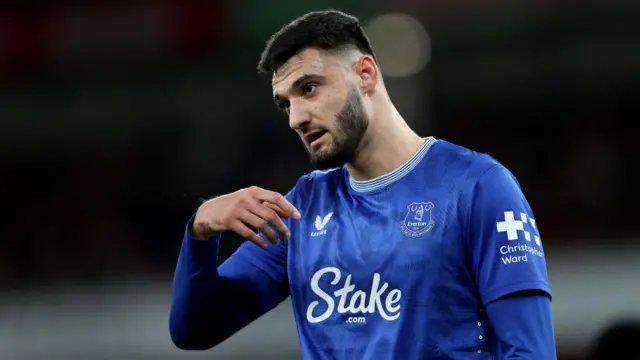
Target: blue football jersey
[(401, 266)]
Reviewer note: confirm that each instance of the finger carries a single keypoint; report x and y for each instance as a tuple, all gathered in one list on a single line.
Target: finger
[(248, 234), (265, 212), (278, 200), (258, 223), (275, 208)]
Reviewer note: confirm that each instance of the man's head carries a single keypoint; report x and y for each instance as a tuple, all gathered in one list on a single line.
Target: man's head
[(323, 69)]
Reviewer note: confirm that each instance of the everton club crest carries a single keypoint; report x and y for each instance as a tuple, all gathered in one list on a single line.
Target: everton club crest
[(418, 220)]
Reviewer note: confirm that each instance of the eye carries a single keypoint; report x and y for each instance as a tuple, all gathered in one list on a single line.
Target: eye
[(309, 88)]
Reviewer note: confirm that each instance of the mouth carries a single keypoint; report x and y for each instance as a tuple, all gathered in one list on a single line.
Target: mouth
[(314, 138)]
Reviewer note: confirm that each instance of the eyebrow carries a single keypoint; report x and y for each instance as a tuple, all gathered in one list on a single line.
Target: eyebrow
[(296, 84)]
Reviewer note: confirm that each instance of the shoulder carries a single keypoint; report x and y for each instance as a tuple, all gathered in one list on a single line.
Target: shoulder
[(465, 167), (478, 181), (319, 180)]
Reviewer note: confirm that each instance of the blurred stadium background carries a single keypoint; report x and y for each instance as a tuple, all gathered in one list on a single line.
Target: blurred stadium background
[(116, 119)]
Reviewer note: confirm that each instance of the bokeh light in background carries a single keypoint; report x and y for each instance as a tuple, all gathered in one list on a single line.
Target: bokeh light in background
[(117, 119), (402, 44)]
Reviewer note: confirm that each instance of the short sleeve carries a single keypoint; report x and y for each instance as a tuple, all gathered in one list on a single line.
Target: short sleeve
[(273, 259), (506, 247)]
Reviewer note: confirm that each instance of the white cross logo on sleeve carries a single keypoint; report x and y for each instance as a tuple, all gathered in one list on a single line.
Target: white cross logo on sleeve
[(510, 225)]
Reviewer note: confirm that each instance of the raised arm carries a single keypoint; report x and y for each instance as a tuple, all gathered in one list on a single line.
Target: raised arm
[(211, 303)]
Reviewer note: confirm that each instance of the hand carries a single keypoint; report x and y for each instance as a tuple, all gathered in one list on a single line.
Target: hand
[(245, 212)]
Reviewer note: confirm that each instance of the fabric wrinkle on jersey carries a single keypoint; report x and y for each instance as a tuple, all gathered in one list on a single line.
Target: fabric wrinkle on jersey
[(401, 266)]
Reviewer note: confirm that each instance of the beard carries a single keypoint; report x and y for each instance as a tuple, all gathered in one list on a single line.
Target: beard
[(351, 124)]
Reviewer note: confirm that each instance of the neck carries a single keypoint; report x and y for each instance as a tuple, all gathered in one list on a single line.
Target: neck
[(388, 143)]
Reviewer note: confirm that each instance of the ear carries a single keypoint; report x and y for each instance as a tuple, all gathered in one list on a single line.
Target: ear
[(367, 72)]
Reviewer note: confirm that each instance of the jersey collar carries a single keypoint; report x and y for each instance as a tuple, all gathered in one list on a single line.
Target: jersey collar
[(387, 179)]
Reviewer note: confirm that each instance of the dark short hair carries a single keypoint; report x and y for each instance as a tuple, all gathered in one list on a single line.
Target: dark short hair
[(322, 30)]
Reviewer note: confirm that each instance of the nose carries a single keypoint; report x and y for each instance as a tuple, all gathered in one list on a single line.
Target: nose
[(299, 116)]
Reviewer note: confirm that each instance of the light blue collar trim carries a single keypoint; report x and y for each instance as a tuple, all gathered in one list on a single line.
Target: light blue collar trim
[(395, 175)]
